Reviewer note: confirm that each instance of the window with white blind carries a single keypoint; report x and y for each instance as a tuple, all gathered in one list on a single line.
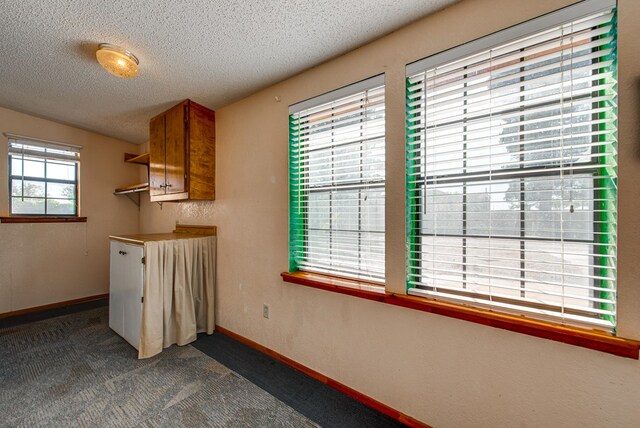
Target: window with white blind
[(511, 169), (337, 182), (43, 177)]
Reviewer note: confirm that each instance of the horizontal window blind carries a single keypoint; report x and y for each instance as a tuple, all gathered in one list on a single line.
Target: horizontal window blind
[(36, 148), (337, 182), (512, 172)]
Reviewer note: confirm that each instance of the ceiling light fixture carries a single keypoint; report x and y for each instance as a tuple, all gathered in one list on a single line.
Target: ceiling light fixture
[(117, 61)]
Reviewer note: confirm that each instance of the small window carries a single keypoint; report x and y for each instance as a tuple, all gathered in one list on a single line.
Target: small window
[(43, 178), (337, 182), (512, 170)]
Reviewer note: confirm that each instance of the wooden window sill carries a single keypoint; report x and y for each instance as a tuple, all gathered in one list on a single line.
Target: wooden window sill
[(43, 219), (585, 338)]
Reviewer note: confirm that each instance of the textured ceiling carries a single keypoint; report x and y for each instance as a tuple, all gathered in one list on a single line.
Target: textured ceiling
[(212, 51)]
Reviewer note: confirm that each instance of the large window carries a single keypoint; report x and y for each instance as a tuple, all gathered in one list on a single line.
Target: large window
[(43, 178), (511, 169), (337, 176)]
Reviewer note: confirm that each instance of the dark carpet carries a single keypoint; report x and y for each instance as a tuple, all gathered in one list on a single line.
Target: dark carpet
[(317, 401)]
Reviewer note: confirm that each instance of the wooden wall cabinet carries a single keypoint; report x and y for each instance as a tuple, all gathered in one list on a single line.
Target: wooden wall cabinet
[(182, 154)]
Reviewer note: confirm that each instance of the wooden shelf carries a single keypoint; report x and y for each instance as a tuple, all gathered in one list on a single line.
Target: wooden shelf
[(142, 159), (133, 191), (136, 188)]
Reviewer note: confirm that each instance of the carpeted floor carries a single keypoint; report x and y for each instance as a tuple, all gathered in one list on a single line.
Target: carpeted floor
[(66, 368), (73, 370), (317, 401)]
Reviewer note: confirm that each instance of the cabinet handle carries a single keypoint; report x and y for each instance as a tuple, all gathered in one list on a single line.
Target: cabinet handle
[(168, 185), (124, 253), (162, 186)]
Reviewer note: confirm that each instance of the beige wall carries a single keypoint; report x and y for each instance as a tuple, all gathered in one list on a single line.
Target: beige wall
[(54, 262), (442, 371)]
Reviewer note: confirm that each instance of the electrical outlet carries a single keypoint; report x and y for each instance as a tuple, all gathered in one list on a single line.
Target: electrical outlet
[(265, 310)]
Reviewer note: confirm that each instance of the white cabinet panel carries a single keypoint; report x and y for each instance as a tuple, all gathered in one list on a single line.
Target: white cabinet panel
[(126, 286), (116, 305)]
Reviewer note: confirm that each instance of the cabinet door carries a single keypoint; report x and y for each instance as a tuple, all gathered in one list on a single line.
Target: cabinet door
[(175, 149), (133, 283), (116, 300), (157, 159), (202, 156), (126, 288)]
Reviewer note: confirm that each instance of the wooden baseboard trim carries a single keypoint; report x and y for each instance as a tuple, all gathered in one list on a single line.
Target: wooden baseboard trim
[(54, 305), (364, 399)]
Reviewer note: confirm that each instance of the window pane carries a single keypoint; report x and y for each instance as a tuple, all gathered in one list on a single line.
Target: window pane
[(345, 209), (346, 162), (373, 162), (444, 153), (61, 171), (31, 188), (442, 262), (317, 246), (443, 210), (548, 204), (372, 250), (27, 206), (558, 135), (16, 187), (493, 208), (372, 210), (554, 269), (344, 248), (493, 266), (60, 190), (34, 168), (482, 154), (16, 166), (318, 210), (61, 206)]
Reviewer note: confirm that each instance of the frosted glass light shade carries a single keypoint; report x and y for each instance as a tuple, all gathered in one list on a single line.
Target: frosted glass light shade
[(117, 61)]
